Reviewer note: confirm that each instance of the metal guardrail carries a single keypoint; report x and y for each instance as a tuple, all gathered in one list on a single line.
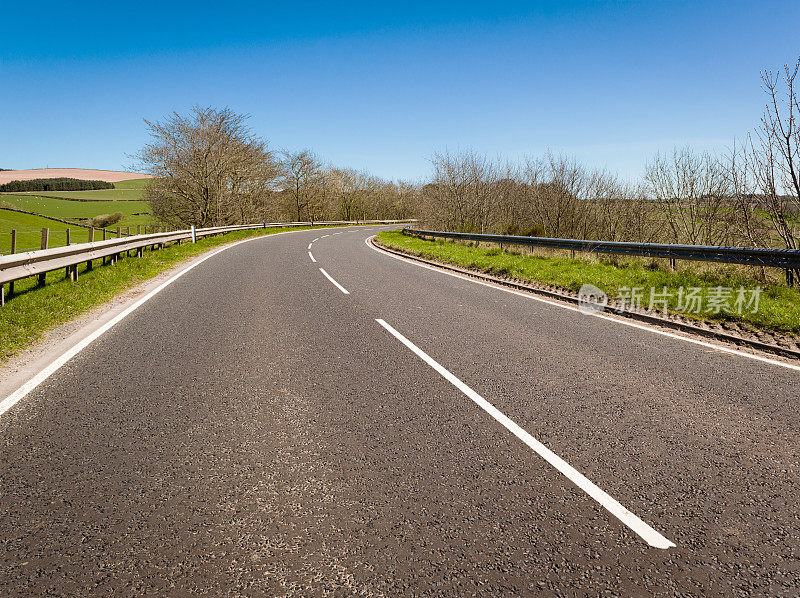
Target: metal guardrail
[(16, 266), (788, 259)]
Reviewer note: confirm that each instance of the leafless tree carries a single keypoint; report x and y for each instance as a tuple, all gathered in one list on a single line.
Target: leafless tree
[(461, 194), (773, 155), (691, 188), (302, 171), (210, 168)]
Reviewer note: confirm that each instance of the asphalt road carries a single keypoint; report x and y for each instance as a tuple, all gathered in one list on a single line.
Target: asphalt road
[(254, 430)]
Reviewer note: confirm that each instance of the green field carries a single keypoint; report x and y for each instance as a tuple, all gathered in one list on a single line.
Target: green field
[(29, 231), (779, 306), (60, 204), (131, 184), (64, 208), (94, 195)]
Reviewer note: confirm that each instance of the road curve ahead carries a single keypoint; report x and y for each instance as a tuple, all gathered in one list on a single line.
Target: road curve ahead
[(302, 414)]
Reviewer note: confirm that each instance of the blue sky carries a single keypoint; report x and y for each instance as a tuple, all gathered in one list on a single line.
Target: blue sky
[(382, 87)]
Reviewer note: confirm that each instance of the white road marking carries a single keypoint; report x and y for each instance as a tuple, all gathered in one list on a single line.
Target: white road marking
[(323, 236), (647, 533), (310, 244), (336, 284), (56, 364), (312, 257), (600, 315)]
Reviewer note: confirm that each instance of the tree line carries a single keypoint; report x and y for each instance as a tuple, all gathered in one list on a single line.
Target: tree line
[(211, 170), (55, 184)]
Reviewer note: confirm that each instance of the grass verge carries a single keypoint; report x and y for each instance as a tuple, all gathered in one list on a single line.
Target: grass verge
[(33, 310), (778, 306)]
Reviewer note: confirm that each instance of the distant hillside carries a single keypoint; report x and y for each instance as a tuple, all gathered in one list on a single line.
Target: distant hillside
[(109, 176)]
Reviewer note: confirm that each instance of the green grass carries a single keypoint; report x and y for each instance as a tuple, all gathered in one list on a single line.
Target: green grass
[(63, 208), (131, 184), (33, 310), (779, 306), (93, 195), (29, 231), (29, 227)]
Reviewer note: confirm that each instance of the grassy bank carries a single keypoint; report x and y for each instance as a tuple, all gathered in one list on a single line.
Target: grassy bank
[(34, 310), (778, 306)]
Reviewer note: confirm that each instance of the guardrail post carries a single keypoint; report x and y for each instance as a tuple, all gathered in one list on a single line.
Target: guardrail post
[(69, 268), (45, 243), (672, 265), (13, 250), (194, 234), (91, 240), (789, 277), (138, 229), (119, 232)]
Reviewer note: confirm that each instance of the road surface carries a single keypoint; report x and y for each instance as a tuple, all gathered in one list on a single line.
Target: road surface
[(304, 417)]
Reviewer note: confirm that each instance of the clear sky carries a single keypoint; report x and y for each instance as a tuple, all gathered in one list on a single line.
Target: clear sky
[(382, 86)]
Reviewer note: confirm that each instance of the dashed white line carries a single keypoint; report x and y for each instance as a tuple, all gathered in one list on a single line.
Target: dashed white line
[(647, 533), (312, 257), (336, 284), (595, 315), (310, 244)]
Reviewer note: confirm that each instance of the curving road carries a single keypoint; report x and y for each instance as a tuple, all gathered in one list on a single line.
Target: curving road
[(302, 414)]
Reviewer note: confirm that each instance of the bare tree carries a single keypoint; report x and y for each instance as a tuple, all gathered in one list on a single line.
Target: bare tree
[(691, 188), (210, 168), (773, 155), (301, 173), (461, 194)]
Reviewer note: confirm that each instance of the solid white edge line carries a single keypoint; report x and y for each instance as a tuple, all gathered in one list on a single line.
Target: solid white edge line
[(56, 364), (336, 284), (647, 533), (312, 257), (600, 315)]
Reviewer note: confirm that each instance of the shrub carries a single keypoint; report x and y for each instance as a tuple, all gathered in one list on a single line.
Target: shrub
[(105, 220)]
